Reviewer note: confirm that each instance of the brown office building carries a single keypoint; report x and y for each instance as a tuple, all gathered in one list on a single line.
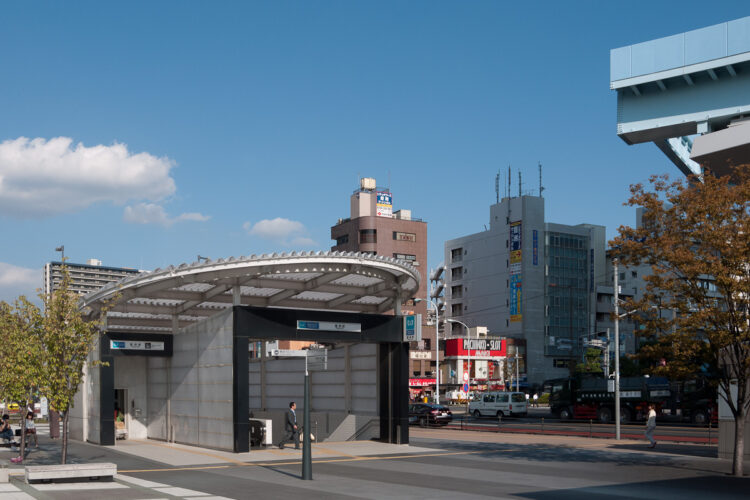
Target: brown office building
[(374, 227)]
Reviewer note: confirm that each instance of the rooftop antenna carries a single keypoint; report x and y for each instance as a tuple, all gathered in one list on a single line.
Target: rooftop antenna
[(519, 184), (541, 188), (389, 180), (497, 187)]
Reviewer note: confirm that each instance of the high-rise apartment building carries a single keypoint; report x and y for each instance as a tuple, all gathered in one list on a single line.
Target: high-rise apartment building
[(530, 280), (374, 227), (84, 278)]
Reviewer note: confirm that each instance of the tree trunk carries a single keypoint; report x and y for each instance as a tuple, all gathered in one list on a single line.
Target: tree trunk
[(739, 442), (66, 418)]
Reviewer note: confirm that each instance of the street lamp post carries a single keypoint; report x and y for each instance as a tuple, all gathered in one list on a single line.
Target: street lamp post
[(437, 346), (617, 350), (468, 356)]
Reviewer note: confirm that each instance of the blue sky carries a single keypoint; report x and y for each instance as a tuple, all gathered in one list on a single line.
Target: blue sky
[(146, 133)]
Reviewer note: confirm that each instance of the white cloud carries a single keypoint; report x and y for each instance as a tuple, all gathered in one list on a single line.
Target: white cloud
[(15, 281), (280, 230), (40, 177), (151, 213)]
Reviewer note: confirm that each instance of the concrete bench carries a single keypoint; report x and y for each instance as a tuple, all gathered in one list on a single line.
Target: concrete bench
[(70, 471)]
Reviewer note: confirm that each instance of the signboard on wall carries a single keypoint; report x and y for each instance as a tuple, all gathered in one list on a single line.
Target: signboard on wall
[(329, 326), (138, 344), (412, 328), (515, 242), (384, 204), (421, 382), (515, 298), (488, 348), (516, 247)]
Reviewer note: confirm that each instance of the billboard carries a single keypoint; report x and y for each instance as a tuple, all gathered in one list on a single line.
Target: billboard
[(488, 348), (384, 204), (516, 247)]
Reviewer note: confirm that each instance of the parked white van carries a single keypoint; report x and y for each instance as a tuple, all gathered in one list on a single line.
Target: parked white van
[(499, 404)]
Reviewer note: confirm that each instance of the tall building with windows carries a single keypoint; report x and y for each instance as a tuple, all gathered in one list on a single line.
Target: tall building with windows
[(374, 227), (84, 278), (531, 280)]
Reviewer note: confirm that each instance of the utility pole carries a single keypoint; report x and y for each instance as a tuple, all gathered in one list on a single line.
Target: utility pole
[(517, 369), (617, 349)]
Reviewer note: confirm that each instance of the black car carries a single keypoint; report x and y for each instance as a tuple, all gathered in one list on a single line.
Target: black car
[(426, 414)]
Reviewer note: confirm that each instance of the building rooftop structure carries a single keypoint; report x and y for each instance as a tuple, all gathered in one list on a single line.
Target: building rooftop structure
[(672, 88), (178, 296)]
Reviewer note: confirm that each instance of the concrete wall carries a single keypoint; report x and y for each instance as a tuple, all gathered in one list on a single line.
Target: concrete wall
[(190, 395), (344, 398), (91, 406), (131, 373)]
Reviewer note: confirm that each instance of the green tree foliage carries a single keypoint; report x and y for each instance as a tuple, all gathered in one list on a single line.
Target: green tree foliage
[(68, 340), (592, 362), (21, 349), (696, 237)]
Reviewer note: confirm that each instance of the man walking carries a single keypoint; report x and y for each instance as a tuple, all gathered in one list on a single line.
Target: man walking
[(651, 425), (292, 431)]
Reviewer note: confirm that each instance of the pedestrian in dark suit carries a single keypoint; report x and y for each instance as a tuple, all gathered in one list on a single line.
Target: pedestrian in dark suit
[(292, 431)]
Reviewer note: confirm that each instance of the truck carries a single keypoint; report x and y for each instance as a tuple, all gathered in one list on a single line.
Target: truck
[(594, 397)]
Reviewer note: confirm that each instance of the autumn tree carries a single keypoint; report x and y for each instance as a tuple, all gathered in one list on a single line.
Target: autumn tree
[(695, 235), (68, 339), (21, 350)]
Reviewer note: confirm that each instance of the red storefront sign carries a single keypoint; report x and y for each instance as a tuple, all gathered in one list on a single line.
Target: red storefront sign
[(421, 382), (481, 348)]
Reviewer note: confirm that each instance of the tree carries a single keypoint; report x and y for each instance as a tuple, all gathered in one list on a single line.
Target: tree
[(696, 237), (21, 351), (591, 362), (68, 340)]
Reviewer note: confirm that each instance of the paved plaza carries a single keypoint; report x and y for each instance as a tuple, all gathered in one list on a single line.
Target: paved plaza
[(439, 463)]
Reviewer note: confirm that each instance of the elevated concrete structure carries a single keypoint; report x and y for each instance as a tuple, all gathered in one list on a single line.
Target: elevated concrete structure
[(672, 88)]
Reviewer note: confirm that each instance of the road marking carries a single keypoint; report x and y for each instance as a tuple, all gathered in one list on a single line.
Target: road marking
[(316, 461)]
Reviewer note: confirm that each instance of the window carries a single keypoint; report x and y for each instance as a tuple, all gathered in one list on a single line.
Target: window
[(502, 398), (342, 240), (456, 292), (368, 235), (457, 273), (399, 236), (427, 343), (489, 398), (456, 255), (634, 274)]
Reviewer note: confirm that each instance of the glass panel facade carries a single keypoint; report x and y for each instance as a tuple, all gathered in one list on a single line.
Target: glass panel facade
[(566, 300)]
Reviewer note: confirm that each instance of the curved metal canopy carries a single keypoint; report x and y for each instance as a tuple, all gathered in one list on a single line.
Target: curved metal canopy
[(342, 281)]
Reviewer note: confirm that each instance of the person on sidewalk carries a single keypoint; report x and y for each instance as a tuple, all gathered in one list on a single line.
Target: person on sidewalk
[(31, 429), (292, 431), (651, 425), (5, 430)]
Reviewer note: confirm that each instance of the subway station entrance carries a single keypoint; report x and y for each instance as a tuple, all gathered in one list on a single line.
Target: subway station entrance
[(188, 359)]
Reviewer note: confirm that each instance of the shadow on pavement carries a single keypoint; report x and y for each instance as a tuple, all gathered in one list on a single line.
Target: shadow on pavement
[(701, 487), (556, 453)]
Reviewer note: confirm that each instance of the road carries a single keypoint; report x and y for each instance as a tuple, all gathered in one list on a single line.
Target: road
[(541, 421)]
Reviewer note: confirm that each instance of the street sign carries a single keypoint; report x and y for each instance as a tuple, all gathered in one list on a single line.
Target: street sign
[(466, 376), (317, 359), (412, 328), (465, 388)]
